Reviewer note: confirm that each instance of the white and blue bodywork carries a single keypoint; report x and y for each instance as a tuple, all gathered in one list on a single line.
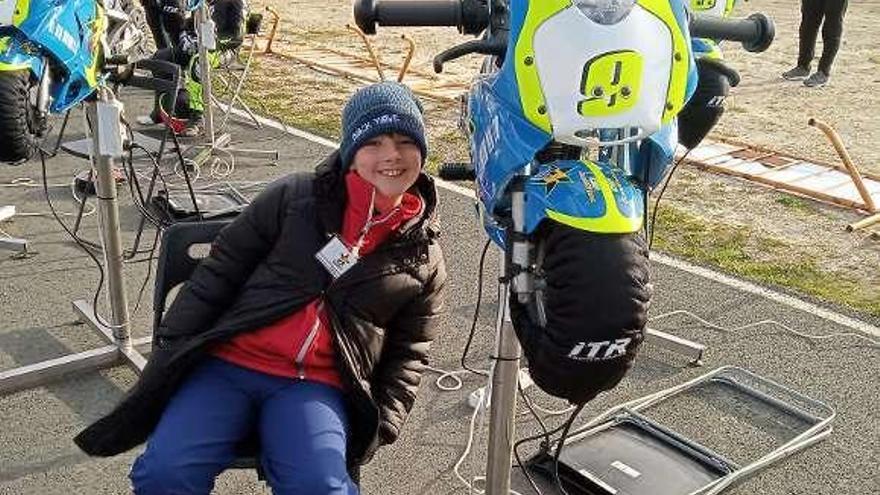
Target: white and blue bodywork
[(544, 92), (65, 34)]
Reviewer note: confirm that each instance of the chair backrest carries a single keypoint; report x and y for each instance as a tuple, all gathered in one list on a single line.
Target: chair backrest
[(176, 263)]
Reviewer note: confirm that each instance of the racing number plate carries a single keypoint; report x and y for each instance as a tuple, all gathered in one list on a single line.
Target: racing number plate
[(7, 12)]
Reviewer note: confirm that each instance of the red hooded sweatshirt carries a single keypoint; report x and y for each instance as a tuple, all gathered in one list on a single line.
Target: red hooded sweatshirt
[(301, 345)]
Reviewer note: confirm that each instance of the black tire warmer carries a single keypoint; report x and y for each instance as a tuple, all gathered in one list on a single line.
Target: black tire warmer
[(596, 302), (706, 106)]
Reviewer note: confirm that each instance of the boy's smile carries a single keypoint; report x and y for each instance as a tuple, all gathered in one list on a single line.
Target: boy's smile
[(391, 163)]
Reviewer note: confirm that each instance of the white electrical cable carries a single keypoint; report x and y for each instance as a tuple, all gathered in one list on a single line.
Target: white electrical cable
[(448, 375), (874, 343), (27, 182), (192, 164)]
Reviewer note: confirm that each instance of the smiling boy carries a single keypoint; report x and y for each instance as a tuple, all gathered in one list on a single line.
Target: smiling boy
[(308, 324)]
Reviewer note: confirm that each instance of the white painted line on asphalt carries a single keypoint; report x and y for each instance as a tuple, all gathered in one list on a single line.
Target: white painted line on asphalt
[(281, 127), (742, 285), (767, 293)]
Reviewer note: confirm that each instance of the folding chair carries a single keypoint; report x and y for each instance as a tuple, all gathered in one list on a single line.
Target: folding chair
[(176, 265)]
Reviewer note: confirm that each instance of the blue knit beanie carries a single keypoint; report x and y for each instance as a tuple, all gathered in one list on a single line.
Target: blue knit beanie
[(377, 109)]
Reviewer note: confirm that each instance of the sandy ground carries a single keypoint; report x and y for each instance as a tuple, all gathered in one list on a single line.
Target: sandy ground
[(764, 110)]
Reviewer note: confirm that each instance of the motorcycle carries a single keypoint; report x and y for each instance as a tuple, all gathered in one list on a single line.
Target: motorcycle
[(51, 57), (572, 120)]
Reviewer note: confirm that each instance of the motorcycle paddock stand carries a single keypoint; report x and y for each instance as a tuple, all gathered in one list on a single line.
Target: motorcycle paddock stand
[(105, 111), (505, 362)]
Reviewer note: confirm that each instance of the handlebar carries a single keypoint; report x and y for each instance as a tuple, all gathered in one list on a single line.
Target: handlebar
[(469, 16), (756, 32)]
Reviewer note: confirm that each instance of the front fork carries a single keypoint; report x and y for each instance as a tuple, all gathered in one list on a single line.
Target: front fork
[(519, 274), (43, 98), (522, 256)]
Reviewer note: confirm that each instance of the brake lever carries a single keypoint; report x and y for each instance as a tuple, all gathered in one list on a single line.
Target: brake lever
[(483, 47)]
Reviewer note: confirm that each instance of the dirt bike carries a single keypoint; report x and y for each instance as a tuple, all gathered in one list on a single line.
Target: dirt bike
[(51, 55), (572, 120)]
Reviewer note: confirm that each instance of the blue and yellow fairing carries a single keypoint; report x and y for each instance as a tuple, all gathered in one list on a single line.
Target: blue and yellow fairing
[(608, 82), (66, 33)]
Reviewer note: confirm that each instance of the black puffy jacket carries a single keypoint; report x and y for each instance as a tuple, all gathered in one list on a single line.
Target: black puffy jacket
[(262, 267)]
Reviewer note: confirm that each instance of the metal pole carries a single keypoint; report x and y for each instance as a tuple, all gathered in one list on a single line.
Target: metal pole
[(107, 139), (205, 31), (505, 374), (505, 370)]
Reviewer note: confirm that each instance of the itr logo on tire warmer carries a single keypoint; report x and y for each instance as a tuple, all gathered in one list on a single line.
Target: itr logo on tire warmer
[(599, 351)]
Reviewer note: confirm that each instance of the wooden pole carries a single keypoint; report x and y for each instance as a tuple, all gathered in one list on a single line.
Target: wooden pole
[(411, 45), (369, 46), (275, 19), (847, 162), (865, 222)]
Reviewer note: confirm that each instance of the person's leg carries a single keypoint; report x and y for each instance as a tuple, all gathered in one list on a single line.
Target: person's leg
[(197, 435), (159, 98), (811, 18), (153, 13), (832, 31), (303, 433)]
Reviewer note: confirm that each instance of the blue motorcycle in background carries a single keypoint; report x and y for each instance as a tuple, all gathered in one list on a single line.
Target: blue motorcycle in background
[(52, 53)]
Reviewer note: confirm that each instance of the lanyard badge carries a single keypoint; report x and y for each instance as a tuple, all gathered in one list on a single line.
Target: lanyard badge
[(336, 257)]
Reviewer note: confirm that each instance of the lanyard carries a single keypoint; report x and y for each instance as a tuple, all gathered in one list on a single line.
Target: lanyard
[(370, 223)]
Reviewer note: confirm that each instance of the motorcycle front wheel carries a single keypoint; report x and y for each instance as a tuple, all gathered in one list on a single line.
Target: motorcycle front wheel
[(18, 123), (582, 327)]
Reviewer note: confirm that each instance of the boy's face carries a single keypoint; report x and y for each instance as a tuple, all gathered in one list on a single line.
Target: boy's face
[(390, 162)]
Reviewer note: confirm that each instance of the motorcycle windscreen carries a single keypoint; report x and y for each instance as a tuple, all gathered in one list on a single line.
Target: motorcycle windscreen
[(590, 196), (577, 73)]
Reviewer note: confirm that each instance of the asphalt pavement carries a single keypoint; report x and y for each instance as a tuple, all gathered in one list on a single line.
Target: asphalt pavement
[(38, 323)]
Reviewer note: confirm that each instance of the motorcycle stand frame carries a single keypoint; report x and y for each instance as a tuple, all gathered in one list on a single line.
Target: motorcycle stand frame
[(215, 144), (106, 111), (238, 81), (624, 451), (505, 364), (20, 246)]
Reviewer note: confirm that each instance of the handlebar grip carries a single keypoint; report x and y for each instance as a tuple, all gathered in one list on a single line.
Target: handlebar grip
[(368, 13), (756, 32), (457, 171), (469, 16)]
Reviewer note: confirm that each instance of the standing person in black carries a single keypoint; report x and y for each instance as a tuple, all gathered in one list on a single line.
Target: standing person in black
[(812, 14)]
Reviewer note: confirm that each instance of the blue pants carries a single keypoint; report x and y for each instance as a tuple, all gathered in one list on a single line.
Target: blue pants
[(302, 427)]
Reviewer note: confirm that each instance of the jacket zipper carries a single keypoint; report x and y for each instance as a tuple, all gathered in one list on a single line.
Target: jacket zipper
[(348, 373), (299, 362)]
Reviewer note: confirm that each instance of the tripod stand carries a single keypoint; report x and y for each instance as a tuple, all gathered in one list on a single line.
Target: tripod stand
[(215, 143)]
